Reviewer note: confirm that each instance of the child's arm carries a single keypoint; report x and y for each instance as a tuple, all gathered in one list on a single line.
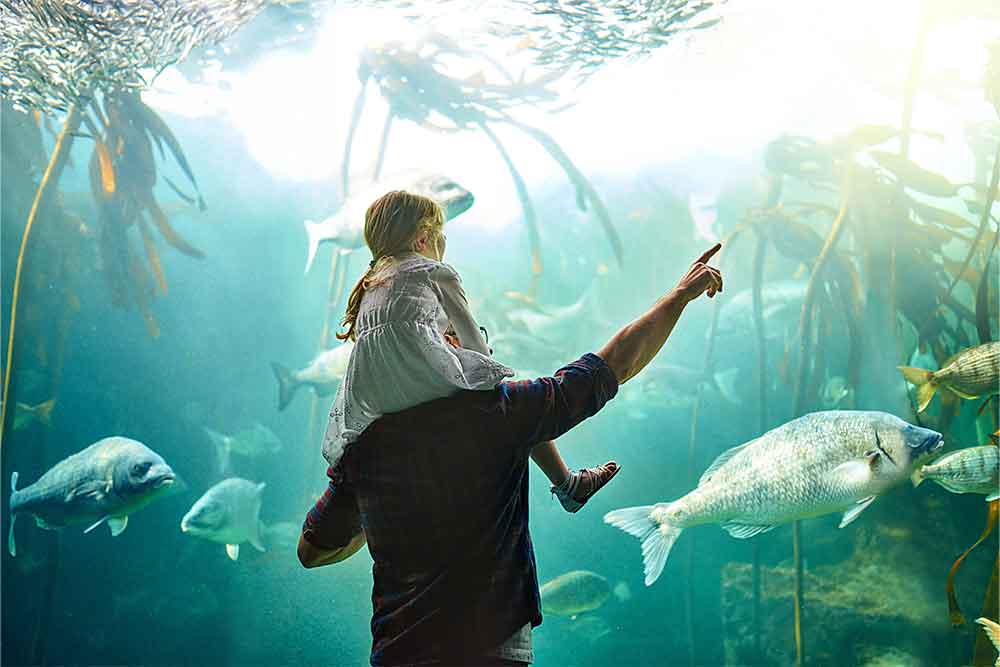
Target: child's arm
[(456, 307)]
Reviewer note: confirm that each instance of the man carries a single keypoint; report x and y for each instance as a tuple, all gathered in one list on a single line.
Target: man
[(440, 494)]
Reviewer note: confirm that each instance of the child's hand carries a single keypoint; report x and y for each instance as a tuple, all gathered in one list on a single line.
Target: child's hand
[(451, 338)]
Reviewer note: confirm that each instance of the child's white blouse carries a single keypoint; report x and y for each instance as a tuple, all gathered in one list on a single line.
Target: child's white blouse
[(400, 357)]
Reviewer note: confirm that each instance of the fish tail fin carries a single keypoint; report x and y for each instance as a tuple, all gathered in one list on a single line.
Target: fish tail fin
[(315, 234), (222, 448), (43, 411), (992, 631), (11, 547), (726, 382), (923, 380), (657, 538), (287, 384), (917, 477)]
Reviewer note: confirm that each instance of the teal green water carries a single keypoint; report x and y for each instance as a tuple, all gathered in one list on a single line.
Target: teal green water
[(679, 158)]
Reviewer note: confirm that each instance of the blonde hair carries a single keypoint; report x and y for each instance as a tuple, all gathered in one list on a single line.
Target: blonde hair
[(392, 224)]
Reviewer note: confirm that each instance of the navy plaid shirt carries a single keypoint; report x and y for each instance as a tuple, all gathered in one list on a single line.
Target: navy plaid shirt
[(441, 491)]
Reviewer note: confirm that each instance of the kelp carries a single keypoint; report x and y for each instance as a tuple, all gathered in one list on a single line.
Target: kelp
[(123, 174), (954, 611), (414, 82)]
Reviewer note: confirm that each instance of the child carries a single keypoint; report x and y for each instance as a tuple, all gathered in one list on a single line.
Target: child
[(398, 315)]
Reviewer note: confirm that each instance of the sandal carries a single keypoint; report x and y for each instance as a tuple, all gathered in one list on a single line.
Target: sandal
[(582, 484)]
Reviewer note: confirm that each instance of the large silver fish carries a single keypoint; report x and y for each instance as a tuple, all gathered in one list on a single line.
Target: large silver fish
[(823, 462), (971, 373), (323, 373), (346, 227), (228, 513), (107, 481), (969, 470)]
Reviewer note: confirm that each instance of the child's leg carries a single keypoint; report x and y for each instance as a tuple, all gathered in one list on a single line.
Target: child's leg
[(547, 458), (573, 488)]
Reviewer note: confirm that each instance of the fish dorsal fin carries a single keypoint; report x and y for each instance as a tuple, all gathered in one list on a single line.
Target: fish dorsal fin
[(722, 460), (117, 524), (742, 531), (233, 551), (95, 524), (852, 514)]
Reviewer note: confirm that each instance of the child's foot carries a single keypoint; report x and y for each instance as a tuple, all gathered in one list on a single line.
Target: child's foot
[(582, 484)]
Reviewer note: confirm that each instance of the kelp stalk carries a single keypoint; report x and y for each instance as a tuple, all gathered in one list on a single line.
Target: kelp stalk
[(954, 611), (50, 178), (359, 105), (339, 265), (984, 222), (381, 148), (805, 319), (695, 409), (760, 254), (800, 650), (804, 333), (526, 206)]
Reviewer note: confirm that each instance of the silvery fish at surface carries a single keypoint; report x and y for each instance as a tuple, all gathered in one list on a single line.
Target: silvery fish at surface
[(971, 373), (228, 513), (823, 462), (322, 373), (969, 470), (107, 481), (345, 228)]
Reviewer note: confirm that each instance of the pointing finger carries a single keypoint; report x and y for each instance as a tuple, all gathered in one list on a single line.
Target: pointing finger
[(708, 254)]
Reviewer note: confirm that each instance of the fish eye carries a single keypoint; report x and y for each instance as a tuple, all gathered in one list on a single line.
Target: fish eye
[(140, 469)]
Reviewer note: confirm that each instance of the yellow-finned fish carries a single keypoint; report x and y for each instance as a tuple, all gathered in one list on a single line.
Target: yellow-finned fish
[(25, 415), (969, 470), (992, 631), (970, 374)]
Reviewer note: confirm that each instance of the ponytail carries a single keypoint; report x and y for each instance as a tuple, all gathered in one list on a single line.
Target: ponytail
[(357, 294)]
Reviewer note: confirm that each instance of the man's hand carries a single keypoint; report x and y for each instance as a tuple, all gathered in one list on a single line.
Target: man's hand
[(312, 556), (637, 343), (700, 278)]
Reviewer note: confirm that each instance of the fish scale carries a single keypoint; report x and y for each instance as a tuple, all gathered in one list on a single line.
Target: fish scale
[(817, 464)]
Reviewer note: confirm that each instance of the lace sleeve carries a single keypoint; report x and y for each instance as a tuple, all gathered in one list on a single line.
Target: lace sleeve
[(456, 307)]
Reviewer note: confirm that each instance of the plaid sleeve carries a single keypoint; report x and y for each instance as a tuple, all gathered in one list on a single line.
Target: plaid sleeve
[(545, 408), (334, 520)]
